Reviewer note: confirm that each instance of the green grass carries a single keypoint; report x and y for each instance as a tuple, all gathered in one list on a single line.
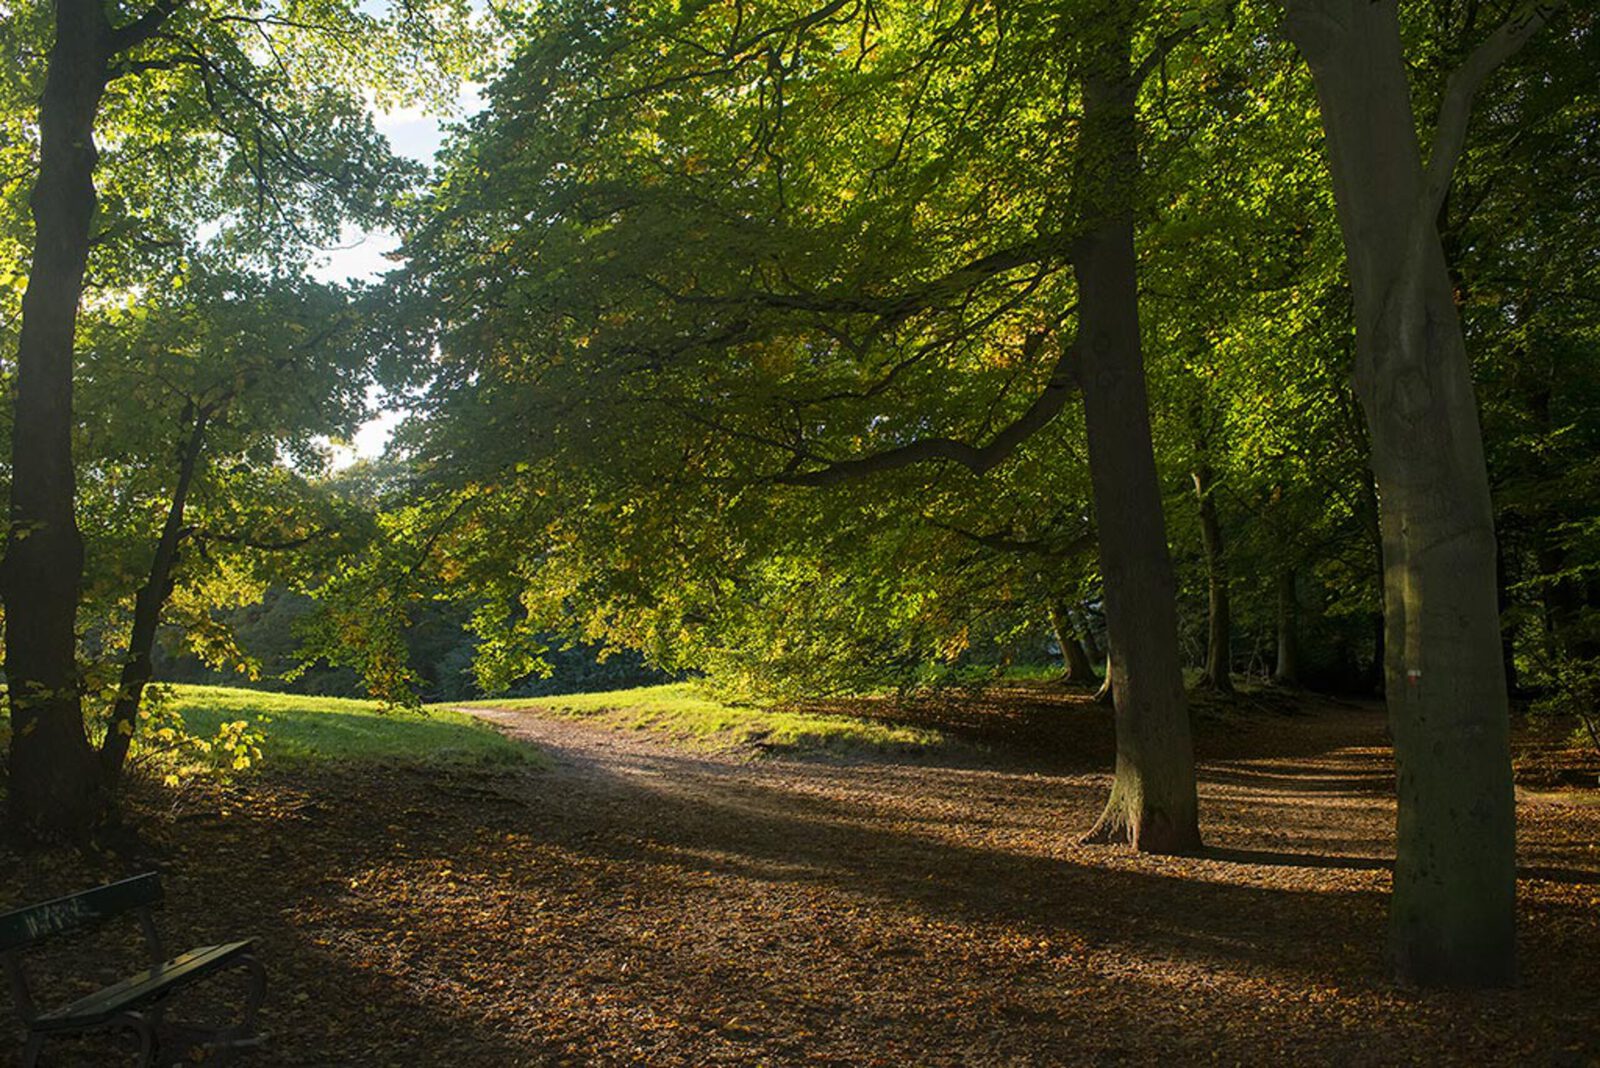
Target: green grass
[(686, 713), (302, 729)]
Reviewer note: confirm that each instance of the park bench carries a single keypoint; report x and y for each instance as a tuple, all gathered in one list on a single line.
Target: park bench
[(137, 1004)]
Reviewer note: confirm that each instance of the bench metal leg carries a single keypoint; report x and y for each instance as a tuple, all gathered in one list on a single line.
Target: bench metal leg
[(256, 995), (141, 1026), (30, 1052), (222, 1045), (231, 1040)]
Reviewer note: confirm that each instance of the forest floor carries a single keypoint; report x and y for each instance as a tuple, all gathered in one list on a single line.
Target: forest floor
[(629, 901)]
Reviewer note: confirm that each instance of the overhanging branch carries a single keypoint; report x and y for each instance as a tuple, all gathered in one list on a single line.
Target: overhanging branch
[(1006, 543), (891, 307), (144, 27), (979, 459), (263, 545), (1455, 112)]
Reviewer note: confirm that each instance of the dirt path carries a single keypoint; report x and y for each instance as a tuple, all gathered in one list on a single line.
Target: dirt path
[(947, 914), (583, 750), (634, 904)]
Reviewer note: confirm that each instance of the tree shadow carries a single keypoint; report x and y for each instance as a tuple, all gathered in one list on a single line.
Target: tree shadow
[(1310, 780), (672, 909), (1285, 859)]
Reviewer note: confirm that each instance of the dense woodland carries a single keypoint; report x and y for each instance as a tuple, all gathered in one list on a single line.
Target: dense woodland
[(818, 349)]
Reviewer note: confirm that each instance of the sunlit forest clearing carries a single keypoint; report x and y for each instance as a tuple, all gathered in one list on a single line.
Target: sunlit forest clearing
[(800, 531), (651, 884)]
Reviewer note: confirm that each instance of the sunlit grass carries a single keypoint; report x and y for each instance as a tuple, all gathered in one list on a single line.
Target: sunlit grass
[(297, 728), (687, 713)]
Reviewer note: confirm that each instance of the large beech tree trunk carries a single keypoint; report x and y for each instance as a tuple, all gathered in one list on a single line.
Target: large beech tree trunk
[(1219, 639), (1152, 804), (53, 785), (1452, 912)]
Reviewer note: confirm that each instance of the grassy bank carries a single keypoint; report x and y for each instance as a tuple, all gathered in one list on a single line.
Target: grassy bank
[(300, 729), (686, 713)]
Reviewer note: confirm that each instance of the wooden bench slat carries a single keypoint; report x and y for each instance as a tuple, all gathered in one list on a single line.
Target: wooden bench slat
[(25, 926), (103, 1005)]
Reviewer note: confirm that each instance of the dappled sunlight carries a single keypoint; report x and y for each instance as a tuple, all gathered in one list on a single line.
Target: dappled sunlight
[(850, 532), (626, 900)]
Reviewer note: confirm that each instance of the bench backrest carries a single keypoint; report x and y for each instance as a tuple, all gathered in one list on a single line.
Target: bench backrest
[(37, 922)]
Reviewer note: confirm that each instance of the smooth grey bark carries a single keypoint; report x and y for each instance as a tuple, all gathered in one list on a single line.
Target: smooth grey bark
[(1452, 912), (1375, 680), (1219, 616), (1153, 804)]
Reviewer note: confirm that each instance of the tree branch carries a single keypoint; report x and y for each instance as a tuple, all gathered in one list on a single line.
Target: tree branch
[(128, 67), (979, 459), (248, 542), (892, 307), (1455, 111), (144, 27), (1082, 542), (1159, 52), (1168, 41)]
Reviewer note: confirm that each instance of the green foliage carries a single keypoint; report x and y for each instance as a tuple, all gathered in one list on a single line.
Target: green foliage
[(232, 141), (249, 120), (690, 256), (1520, 227), (1575, 691), (169, 745), (741, 273), (691, 259), (221, 383)]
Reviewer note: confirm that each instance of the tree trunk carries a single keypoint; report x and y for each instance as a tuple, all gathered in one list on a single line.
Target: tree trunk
[(1370, 511), (147, 606), (1105, 695), (1075, 665), (1152, 804), (1287, 671), (1452, 913), (1086, 635), (1219, 640), (1508, 642), (53, 785), (1376, 681)]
